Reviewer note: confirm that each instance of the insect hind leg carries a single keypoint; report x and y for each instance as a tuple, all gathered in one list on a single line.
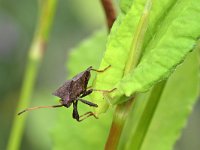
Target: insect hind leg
[(86, 115)]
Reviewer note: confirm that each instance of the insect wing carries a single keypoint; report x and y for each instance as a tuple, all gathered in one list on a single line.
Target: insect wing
[(63, 91)]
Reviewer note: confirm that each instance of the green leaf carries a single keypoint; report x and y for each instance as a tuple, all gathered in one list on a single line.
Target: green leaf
[(125, 5), (171, 113), (91, 133), (172, 33), (118, 48), (174, 40)]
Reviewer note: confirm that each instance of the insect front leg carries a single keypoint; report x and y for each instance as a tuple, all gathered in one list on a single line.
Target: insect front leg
[(104, 91), (105, 94), (101, 70)]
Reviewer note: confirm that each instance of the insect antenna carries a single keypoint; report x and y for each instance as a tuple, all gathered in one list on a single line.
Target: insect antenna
[(38, 107)]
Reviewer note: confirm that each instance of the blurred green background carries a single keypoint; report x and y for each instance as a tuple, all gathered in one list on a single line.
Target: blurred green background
[(74, 21)]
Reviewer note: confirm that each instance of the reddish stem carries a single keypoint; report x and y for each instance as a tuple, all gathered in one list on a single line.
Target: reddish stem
[(119, 119), (109, 11)]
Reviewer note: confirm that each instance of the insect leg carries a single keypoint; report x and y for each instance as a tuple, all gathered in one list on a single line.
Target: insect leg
[(89, 87), (75, 114), (105, 94), (87, 114), (105, 91), (91, 90), (88, 102), (87, 93), (102, 69)]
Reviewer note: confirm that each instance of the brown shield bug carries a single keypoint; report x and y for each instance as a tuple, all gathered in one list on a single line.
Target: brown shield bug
[(73, 91)]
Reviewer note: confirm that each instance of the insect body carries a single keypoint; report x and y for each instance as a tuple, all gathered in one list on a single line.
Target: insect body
[(74, 88), (73, 91)]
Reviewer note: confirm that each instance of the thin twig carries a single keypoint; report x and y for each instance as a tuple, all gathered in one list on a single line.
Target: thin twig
[(109, 11)]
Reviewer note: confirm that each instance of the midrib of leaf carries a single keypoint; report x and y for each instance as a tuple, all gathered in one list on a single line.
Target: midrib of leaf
[(136, 47)]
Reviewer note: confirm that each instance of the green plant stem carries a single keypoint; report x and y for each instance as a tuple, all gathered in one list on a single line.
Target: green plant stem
[(122, 110), (119, 118), (35, 56), (147, 115)]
